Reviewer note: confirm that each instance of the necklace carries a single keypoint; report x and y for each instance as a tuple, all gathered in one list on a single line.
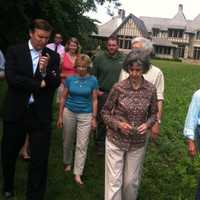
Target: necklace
[(81, 81)]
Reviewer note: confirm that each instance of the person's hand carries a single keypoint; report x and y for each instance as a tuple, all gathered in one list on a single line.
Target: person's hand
[(63, 75), (155, 130), (93, 123), (2, 75), (43, 84), (60, 122), (43, 62), (142, 129), (100, 93), (191, 148), (125, 127)]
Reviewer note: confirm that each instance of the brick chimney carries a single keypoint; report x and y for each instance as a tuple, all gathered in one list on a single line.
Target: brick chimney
[(180, 7)]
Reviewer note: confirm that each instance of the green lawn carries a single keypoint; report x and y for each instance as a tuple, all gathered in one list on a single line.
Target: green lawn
[(169, 174)]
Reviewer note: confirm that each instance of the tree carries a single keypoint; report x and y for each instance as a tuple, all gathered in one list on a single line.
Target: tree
[(66, 16)]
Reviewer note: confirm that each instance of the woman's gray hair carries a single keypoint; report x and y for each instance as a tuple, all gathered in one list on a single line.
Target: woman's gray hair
[(139, 57), (146, 44)]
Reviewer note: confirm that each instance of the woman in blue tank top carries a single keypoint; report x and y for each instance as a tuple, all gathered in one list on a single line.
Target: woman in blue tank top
[(77, 115)]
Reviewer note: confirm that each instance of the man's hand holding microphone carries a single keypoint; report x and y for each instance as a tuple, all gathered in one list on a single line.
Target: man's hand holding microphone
[(43, 63)]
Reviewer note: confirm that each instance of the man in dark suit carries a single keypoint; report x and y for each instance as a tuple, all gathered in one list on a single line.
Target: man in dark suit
[(32, 73)]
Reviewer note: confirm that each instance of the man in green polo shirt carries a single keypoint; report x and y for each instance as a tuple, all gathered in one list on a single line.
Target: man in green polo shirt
[(106, 67)]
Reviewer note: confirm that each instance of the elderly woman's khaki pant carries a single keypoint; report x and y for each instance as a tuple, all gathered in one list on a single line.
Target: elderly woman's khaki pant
[(122, 172)]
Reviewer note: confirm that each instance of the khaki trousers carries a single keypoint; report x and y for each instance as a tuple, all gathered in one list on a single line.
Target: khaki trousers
[(122, 172), (76, 126)]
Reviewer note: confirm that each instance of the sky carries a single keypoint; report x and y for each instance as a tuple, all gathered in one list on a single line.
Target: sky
[(151, 8)]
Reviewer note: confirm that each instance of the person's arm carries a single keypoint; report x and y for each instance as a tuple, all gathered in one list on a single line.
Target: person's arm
[(191, 122), (61, 107), (107, 113), (95, 66), (2, 75), (159, 84), (15, 77), (2, 66), (94, 108), (95, 72), (52, 78), (155, 130), (108, 107), (152, 114), (2, 61)]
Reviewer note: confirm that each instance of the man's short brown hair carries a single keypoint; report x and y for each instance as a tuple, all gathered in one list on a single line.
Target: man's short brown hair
[(114, 38), (40, 24)]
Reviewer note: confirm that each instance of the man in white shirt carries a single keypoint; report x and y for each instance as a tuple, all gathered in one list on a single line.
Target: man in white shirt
[(155, 76), (57, 44)]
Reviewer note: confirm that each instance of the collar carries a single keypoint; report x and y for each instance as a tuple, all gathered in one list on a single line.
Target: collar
[(57, 44), (31, 48), (112, 56), (143, 84)]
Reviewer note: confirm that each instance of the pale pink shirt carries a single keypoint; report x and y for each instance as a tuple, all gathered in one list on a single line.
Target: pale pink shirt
[(60, 48)]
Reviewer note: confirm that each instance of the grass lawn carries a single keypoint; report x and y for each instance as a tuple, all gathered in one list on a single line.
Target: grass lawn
[(169, 174)]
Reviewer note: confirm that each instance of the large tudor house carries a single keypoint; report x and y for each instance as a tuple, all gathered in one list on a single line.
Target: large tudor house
[(172, 38)]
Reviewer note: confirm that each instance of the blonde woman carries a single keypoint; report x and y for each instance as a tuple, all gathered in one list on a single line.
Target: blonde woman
[(67, 64), (77, 115)]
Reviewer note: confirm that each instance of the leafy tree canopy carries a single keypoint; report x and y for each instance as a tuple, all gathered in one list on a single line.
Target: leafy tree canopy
[(66, 16)]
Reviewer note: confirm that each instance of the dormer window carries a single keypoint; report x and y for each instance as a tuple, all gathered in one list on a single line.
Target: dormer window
[(155, 32), (175, 33)]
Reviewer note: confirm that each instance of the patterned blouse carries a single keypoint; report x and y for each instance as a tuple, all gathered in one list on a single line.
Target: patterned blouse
[(125, 104)]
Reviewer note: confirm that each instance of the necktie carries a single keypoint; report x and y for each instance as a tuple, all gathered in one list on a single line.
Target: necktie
[(56, 48)]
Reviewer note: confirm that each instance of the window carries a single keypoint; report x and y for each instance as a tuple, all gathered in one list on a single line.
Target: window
[(181, 51), (196, 53), (176, 33), (155, 32), (162, 50), (198, 35), (125, 42)]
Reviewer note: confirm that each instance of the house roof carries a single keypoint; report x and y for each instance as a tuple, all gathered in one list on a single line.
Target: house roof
[(194, 24), (179, 21), (108, 28), (165, 24), (116, 23), (155, 22), (146, 24), (138, 22)]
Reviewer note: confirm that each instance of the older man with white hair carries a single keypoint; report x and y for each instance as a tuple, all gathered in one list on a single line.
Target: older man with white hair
[(153, 75)]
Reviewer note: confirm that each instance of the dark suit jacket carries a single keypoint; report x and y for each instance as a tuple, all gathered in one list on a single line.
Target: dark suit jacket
[(22, 83)]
